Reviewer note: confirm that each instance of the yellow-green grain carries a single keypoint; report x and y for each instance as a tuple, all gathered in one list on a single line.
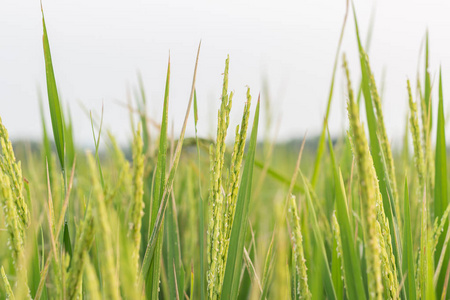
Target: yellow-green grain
[(385, 145), (13, 169), (368, 195), (85, 237), (302, 291), (12, 220), (8, 289), (137, 205), (104, 235), (92, 284), (415, 132), (216, 262)]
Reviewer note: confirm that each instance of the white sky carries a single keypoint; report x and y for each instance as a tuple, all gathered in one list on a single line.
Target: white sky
[(98, 47)]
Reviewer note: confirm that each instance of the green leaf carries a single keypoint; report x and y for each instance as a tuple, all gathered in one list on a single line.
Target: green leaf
[(321, 145), (48, 162), (97, 145), (53, 100), (440, 193), (352, 265), (408, 249), (152, 280), (441, 189), (430, 291), (268, 266), (142, 110), (173, 253), (280, 177), (68, 134), (328, 280), (427, 93), (201, 223), (230, 286), (149, 254), (66, 238), (336, 272)]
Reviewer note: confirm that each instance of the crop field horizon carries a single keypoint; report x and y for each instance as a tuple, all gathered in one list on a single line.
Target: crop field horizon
[(174, 216)]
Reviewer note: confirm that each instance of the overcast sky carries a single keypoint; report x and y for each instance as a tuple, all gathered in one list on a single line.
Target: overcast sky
[(98, 48)]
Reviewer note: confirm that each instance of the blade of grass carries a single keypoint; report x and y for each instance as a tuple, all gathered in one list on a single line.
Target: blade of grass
[(336, 260), (68, 136), (352, 265), (427, 92), (152, 280), (173, 253), (97, 145), (47, 154), (57, 120), (150, 249), (408, 249), (268, 267), (280, 177), (328, 280), (53, 99), (8, 289), (321, 145), (441, 190), (58, 228), (192, 283), (143, 108), (200, 209), (251, 270)]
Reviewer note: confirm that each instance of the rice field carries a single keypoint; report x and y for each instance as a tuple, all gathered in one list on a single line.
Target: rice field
[(175, 217)]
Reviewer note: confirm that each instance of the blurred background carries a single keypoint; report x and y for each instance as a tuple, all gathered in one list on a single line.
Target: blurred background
[(283, 49)]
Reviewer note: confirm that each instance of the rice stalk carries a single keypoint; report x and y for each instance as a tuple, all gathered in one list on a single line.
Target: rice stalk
[(216, 261), (92, 284), (84, 240), (235, 170), (8, 289), (137, 205), (12, 221), (299, 262), (385, 145), (368, 196), (337, 262), (103, 230), (415, 132), (13, 169)]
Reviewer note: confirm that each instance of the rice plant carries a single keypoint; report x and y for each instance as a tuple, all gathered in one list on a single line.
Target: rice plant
[(198, 218)]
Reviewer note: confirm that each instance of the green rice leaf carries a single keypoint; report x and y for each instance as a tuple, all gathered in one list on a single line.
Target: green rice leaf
[(268, 267), (321, 145), (318, 235), (408, 249), (68, 134), (427, 92), (9, 292), (156, 229), (152, 281), (201, 223), (66, 238), (173, 252), (280, 177), (53, 100), (441, 181), (354, 284), (440, 193), (48, 162)]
